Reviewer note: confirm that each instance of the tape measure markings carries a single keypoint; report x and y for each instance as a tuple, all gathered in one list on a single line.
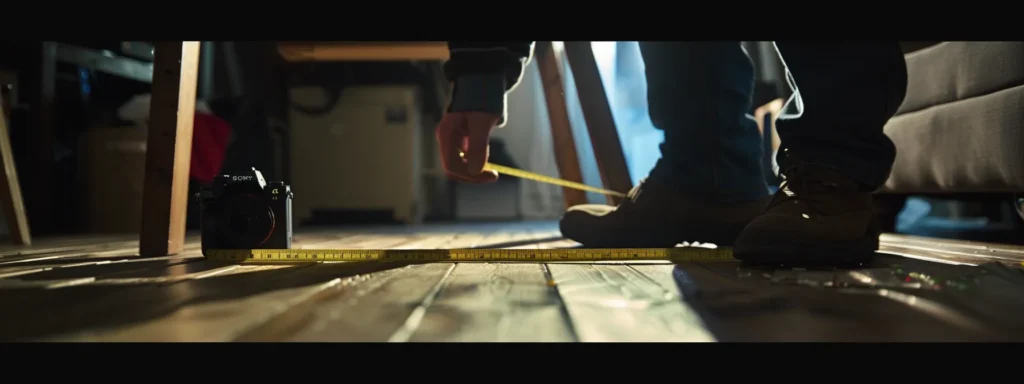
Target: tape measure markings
[(471, 255)]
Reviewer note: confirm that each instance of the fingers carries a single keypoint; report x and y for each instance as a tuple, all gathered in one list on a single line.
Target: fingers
[(449, 141), (466, 171), (466, 134), (486, 176), (478, 150)]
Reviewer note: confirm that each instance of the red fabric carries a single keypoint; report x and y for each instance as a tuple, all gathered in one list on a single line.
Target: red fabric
[(210, 135)]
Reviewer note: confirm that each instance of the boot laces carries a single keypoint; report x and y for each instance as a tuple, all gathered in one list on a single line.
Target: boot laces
[(635, 192), (802, 185)]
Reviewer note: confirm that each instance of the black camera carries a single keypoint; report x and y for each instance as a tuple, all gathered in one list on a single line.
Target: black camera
[(243, 211)]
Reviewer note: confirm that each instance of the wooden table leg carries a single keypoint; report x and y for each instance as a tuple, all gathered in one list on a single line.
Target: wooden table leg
[(611, 161), (561, 127), (169, 148), (10, 191)]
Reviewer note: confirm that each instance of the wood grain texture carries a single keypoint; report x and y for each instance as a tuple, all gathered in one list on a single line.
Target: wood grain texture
[(495, 302), (390, 305), (566, 159), (169, 147), (966, 252), (376, 309), (798, 305), (106, 293), (108, 309), (208, 320), (616, 303)]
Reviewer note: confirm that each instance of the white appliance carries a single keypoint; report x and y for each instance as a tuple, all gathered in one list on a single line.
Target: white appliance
[(364, 154)]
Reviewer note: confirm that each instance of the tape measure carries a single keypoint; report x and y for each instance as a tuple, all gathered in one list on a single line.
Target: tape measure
[(680, 254), (547, 179)]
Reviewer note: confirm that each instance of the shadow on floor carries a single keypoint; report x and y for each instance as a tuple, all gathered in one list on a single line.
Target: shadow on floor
[(894, 299), (49, 312)]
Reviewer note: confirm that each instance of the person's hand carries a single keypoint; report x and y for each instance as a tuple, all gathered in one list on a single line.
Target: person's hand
[(463, 138)]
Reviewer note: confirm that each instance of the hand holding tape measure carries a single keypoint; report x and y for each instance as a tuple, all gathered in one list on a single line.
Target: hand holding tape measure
[(463, 139), (246, 219)]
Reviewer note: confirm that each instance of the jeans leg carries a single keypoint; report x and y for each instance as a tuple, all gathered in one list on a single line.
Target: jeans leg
[(699, 94), (849, 91)]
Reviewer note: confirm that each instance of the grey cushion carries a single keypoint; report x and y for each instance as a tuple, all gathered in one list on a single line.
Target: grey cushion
[(972, 145), (953, 71)]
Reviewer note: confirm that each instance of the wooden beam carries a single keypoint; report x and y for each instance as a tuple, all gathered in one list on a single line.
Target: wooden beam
[(604, 137), (10, 191), (561, 127), (169, 148), (363, 51)]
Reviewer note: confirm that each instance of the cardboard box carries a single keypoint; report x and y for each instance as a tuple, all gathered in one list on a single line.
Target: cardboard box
[(112, 169)]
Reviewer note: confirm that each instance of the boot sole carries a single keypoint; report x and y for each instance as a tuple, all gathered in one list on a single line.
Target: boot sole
[(725, 236)]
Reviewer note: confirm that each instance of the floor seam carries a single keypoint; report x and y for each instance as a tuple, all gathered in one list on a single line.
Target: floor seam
[(567, 317), (404, 333)]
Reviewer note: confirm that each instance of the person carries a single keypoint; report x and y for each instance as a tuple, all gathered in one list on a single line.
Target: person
[(708, 184)]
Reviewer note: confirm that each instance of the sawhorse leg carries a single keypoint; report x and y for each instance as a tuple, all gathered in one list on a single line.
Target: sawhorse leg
[(10, 192), (169, 148), (604, 137), (561, 128)]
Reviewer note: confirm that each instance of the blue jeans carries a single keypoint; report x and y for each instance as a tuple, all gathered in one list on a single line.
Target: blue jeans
[(700, 92)]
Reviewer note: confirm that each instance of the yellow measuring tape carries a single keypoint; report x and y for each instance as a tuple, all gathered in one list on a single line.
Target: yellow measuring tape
[(680, 254), (546, 179)]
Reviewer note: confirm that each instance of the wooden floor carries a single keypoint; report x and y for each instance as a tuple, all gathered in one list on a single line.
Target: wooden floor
[(96, 289)]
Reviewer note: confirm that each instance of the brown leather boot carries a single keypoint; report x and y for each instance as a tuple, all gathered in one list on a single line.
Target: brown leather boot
[(818, 216), (654, 216)]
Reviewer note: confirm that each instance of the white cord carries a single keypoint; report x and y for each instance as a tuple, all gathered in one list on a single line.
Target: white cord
[(795, 97)]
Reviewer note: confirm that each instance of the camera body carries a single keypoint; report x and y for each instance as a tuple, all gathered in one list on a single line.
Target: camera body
[(243, 211)]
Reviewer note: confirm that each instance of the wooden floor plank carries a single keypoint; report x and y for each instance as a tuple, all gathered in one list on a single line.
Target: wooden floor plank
[(617, 303), (51, 243), (100, 270), (944, 253), (84, 262), (208, 321), (71, 250), (178, 302), (741, 304), (92, 291), (373, 310), (495, 302), (977, 247), (388, 305), (43, 313)]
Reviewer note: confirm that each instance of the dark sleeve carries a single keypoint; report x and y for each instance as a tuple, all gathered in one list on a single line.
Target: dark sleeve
[(504, 57), (484, 72)]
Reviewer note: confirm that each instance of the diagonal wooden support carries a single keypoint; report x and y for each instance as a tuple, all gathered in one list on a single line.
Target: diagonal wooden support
[(604, 137), (169, 148), (10, 192), (561, 128)]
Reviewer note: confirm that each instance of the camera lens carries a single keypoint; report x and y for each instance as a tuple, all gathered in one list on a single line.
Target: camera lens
[(248, 221)]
